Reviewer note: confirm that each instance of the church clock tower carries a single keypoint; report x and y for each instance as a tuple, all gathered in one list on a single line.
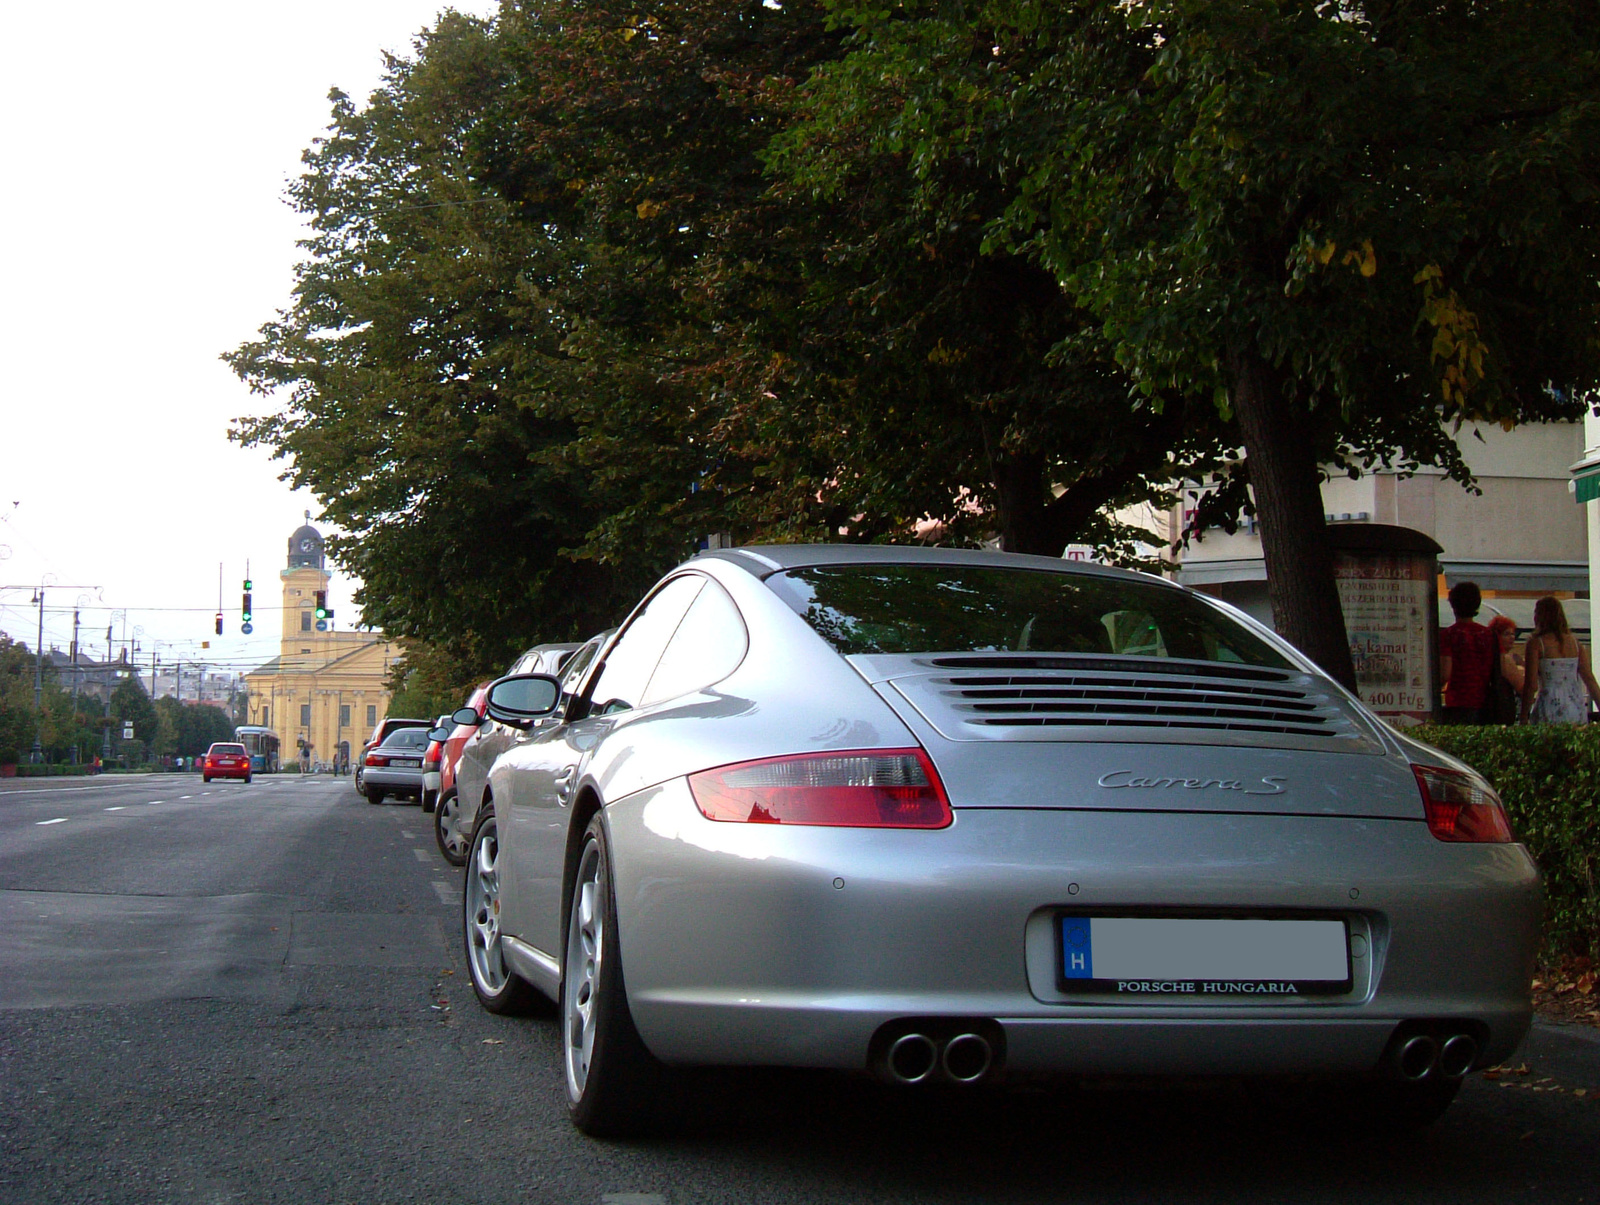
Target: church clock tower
[(325, 691), (305, 574)]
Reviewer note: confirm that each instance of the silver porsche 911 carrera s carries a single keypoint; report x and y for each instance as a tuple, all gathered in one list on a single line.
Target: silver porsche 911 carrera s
[(964, 817)]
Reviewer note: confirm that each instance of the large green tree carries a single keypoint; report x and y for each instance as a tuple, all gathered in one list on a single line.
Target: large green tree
[(1349, 225), (417, 371), (592, 280)]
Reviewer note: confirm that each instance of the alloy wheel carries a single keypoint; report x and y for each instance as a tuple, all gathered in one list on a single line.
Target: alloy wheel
[(448, 820), (483, 911), (586, 948)]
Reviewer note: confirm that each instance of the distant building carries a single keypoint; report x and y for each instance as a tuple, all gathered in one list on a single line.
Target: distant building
[(1520, 539), (88, 678), (326, 688)]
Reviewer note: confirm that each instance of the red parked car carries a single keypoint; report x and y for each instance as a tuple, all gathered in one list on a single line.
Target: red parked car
[(451, 843), (225, 761)]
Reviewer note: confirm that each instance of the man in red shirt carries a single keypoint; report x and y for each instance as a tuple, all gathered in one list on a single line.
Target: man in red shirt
[(1467, 650)]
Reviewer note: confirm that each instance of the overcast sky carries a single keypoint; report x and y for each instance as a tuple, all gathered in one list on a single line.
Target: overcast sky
[(145, 233)]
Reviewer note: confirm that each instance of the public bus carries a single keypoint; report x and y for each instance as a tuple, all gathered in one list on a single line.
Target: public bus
[(262, 745)]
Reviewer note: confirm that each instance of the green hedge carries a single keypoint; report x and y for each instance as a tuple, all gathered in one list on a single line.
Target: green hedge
[(1549, 777), (25, 770)]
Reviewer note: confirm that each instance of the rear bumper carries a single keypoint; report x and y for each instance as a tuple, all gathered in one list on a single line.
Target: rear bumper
[(392, 781), (761, 944), (230, 772)]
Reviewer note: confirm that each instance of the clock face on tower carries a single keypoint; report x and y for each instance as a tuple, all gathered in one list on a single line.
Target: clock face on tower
[(306, 545)]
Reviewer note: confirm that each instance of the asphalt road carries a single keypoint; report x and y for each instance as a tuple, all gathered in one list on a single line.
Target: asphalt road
[(254, 993)]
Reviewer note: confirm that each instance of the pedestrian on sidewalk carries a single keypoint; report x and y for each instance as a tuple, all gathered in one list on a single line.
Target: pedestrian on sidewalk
[(1467, 653), (1558, 682)]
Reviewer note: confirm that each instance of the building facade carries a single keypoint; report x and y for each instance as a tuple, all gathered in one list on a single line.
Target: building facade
[(326, 689), (1519, 539)]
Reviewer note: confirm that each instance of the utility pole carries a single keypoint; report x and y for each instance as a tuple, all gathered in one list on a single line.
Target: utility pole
[(74, 657), (37, 754)]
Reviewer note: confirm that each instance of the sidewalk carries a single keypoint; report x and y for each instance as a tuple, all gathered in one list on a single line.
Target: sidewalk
[(1565, 1052)]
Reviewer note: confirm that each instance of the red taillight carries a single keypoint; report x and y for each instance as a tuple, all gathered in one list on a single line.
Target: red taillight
[(374, 760), (1462, 806), (873, 788)]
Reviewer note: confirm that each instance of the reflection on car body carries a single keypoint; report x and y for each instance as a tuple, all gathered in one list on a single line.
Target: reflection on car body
[(874, 809)]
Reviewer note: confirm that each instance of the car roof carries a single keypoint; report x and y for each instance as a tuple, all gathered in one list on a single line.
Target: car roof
[(562, 647), (763, 560)]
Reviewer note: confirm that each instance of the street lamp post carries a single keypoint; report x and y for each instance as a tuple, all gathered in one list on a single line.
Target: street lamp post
[(36, 755)]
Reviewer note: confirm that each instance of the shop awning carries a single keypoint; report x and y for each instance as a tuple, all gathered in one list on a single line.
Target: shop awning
[(1586, 480)]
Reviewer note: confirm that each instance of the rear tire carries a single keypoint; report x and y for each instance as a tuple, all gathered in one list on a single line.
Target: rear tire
[(247, 780), (614, 1083), (374, 796), (205, 778), (447, 835), (427, 803), (499, 989)]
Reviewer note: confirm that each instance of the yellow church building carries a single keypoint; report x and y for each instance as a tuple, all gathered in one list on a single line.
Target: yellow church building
[(326, 690)]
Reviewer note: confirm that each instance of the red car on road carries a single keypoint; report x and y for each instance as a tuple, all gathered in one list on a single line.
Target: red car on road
[(225, 761), (451, 843)]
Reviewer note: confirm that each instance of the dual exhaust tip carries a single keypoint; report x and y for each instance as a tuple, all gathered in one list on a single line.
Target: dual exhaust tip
[(941, 1050), (1421, 1055)]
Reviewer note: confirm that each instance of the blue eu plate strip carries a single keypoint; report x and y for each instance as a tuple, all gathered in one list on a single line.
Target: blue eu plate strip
[(1076, 949)]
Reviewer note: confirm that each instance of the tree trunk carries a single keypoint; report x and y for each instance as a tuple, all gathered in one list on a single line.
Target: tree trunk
[(1288, 496), (1020, 501)]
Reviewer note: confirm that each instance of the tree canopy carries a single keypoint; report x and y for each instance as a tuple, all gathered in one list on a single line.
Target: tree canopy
[(594, 280)]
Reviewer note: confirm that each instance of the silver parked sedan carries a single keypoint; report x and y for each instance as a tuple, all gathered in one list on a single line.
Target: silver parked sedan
[(962, 817), (395, 767)]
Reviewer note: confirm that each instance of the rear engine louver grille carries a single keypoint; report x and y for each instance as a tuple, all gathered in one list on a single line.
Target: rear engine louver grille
[(1111, 700)]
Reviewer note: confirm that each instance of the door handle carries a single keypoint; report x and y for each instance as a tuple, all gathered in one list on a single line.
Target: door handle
[(564, 784)]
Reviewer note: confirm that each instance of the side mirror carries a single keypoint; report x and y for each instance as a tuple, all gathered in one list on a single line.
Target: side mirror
[(467, 716), (441, 733), (523, 698)]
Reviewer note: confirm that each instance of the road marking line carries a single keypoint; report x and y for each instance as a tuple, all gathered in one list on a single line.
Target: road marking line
[(408, 834), (445, 892), (118, 808), (422, 855), (181, 798), (57, 820)]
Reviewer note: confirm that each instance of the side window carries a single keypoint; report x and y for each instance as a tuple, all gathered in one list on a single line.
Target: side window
[(573, 672), (707, 647), (629, 665)]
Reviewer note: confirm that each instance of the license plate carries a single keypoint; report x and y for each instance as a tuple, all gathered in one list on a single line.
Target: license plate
[(1191, 958), (410, 763)]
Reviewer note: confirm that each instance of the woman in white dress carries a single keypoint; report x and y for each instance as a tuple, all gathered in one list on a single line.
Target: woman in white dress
[(1557, 682)]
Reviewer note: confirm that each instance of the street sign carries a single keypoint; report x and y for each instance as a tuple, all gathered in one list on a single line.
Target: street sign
[(127, 730), (247, 628), (322, 625)]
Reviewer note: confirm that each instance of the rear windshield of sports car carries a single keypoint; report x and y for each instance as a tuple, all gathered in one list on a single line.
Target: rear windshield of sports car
[(972, 609)]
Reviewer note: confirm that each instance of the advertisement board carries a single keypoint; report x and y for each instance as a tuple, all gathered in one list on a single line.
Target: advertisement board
[(1388, 586)]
